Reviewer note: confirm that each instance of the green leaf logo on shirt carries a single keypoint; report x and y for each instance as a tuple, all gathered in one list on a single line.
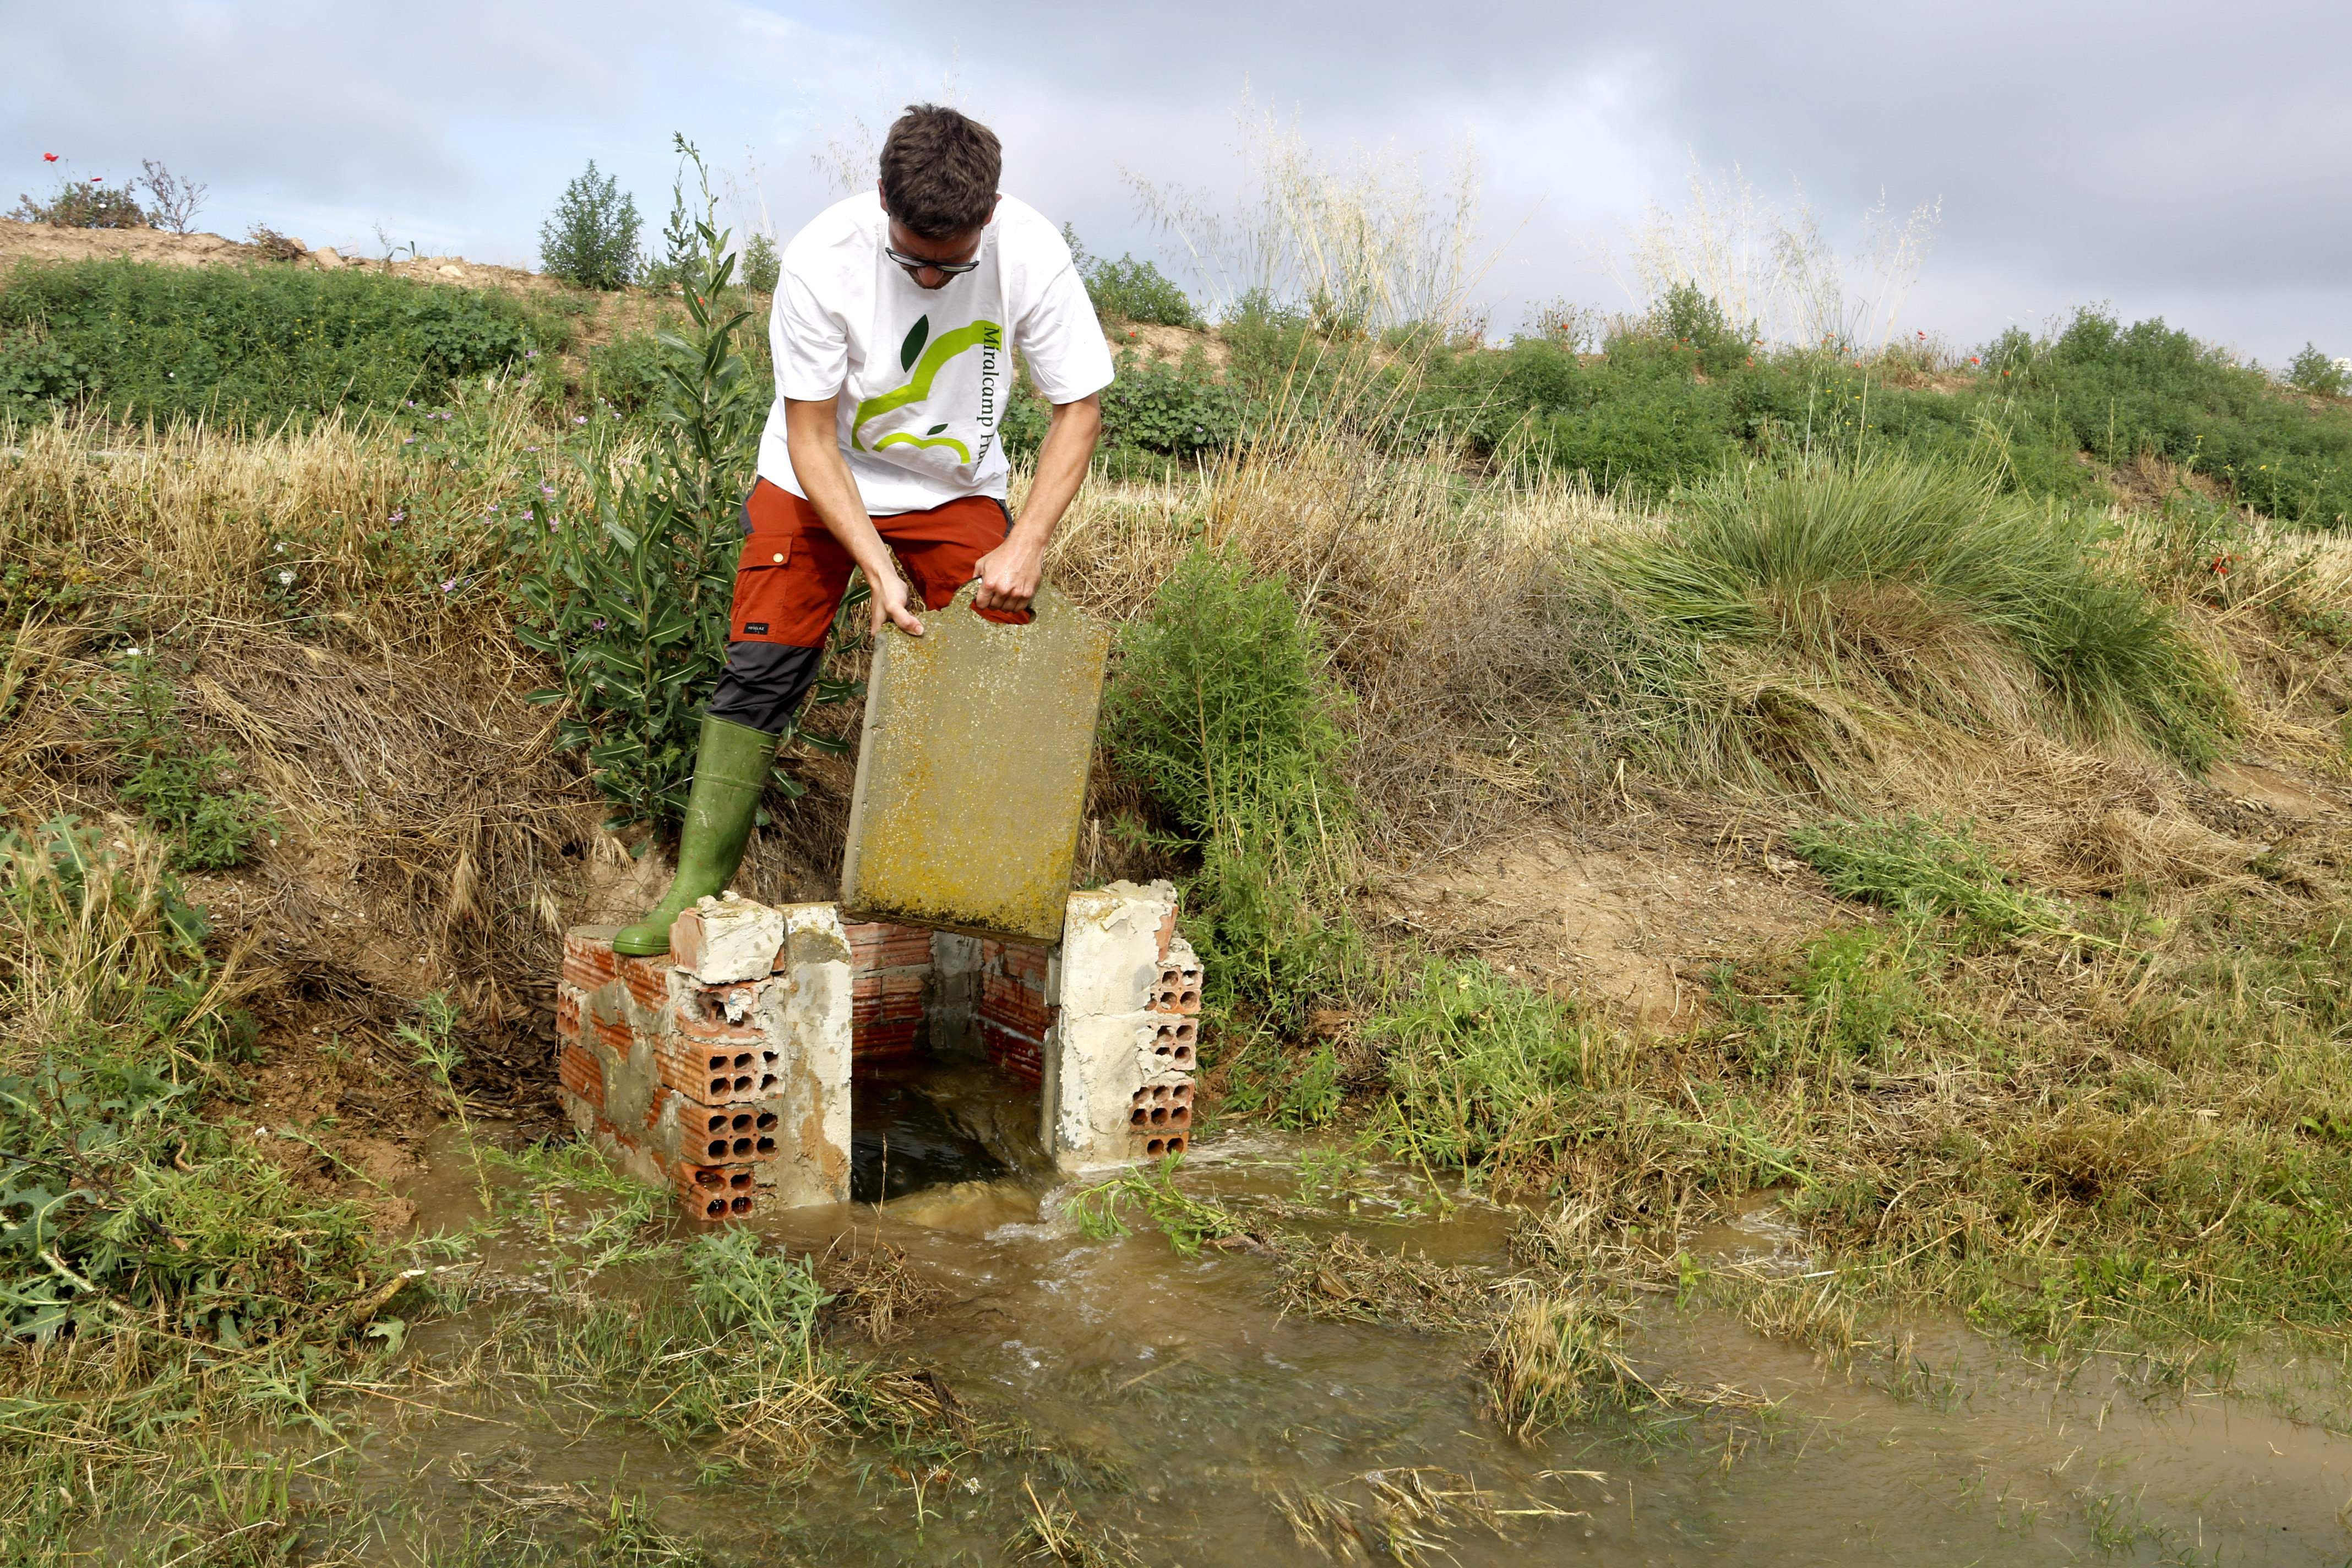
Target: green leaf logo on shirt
[(925, 355), (914, 343)]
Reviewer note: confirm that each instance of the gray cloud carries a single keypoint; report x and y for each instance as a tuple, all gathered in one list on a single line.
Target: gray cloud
[(2167, 156)]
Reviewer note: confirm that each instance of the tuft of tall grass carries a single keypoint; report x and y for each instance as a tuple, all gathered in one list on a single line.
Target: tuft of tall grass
[(1790, 612)]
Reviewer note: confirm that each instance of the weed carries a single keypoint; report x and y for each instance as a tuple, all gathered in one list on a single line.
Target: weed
[(117, 1198), (1483, 1071), (431, 1036), (1761, 635), (1922, 868), (1339, 1278), (1554, 1358), (187, 791), (1055, 1534)]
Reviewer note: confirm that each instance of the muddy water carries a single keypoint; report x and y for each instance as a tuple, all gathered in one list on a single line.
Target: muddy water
[(1179, 1375)]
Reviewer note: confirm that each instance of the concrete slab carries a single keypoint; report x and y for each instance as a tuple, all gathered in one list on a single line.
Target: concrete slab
[(971, 771)]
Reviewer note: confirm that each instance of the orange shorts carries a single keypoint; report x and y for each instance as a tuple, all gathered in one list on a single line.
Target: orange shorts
[(792, 573)]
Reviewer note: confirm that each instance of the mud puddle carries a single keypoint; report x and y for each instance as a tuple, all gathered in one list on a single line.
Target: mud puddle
[(1195, 1421)]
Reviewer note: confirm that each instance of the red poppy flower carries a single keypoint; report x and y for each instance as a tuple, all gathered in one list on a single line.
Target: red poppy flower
[(48, 157)]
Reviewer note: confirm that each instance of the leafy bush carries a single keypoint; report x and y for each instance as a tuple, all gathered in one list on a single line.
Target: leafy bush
[(1131, 290), (632, 605), (2313, 372), (762, 265), (591, 238), (84, 203), (244, 344), (34, 370), (2116, 392), (1226, 714), (1174, 410), (185, 792)]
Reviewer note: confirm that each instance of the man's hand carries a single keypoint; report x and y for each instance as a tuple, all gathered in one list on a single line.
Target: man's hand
[(1008, 575), (891, 603)]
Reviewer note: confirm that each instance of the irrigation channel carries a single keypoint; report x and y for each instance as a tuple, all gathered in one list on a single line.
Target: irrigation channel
[(1221, 1428)]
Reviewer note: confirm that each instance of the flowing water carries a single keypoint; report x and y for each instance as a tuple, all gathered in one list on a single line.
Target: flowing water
[(1221, 1414)]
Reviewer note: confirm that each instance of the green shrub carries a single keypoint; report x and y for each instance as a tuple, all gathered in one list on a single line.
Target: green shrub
[(591, 238), (2313, 372), (84, 203), (632, 604), (1918, 585), (1179, 410), (1226, 714), (762, 265), (247, 345), (2116, 392), (625, 372), (1131, 290)]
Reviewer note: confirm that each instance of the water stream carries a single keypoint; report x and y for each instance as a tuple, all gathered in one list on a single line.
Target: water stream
[(1214, 1406)]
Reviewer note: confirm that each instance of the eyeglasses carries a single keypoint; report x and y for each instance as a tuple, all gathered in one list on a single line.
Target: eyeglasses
[(916, 263)]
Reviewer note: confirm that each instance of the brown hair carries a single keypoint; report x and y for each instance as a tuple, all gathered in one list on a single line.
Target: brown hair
[(939, 170)]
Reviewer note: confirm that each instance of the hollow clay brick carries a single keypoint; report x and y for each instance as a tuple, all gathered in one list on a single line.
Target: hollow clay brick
[(578, 1070), (567, 1012), (588, 957)]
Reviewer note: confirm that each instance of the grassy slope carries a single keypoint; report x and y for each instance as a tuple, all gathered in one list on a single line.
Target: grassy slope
[(2002, 1113)]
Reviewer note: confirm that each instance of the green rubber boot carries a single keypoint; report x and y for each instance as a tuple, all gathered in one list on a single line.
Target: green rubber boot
[(729, 770)]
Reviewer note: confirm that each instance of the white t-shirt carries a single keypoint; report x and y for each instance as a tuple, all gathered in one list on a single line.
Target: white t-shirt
[(923, 374)]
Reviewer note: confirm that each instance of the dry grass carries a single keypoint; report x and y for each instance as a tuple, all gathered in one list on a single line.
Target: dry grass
[(1336, 1277)]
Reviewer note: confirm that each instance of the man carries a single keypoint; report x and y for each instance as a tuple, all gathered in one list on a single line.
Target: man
[(895, 323)]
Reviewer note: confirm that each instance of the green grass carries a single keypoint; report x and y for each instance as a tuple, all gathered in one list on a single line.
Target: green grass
[(1792, 617), (244, 345)]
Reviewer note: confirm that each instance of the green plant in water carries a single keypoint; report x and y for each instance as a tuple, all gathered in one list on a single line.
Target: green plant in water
[(1101, 1211), (430, 1036), (632, 605)]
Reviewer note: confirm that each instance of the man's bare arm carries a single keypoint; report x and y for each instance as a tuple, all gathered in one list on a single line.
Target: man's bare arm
[(1009, 573), (813, 435)]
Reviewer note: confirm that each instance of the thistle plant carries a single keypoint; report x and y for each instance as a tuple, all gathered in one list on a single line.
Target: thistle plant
[(632, 604)]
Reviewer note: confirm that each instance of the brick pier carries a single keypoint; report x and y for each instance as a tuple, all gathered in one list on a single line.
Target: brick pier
[(724, 1071)]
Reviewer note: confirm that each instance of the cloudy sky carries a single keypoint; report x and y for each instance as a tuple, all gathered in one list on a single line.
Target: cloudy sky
[(2192, 161)]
